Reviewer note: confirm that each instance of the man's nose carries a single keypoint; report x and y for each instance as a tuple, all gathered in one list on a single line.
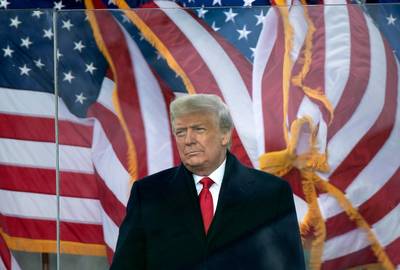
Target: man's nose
[(190, 137)]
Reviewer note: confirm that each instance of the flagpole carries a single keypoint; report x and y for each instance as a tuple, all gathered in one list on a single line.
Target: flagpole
[(56, 139)]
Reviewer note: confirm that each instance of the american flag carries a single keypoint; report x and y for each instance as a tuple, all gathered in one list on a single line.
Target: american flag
[(117, 71)]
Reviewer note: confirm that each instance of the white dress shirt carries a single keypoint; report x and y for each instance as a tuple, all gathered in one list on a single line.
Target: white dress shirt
[(215, 188)]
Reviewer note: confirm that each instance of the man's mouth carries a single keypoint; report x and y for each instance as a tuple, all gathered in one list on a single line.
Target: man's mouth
[(192, 153)]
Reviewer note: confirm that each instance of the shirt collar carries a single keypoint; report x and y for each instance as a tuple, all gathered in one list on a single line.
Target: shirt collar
[(216, 175)]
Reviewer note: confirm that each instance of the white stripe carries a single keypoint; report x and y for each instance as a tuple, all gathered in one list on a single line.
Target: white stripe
[(110, 231), (265, 44), (337, 51), (105, 95), (375, 174), (108, 166), (301, 207), (300, 27), (2, 265), (42, 206), (43, 155), (225, 74), (386, 230), (34, 103), (345, 244), (14, 264), (369, 108), (153, 110)]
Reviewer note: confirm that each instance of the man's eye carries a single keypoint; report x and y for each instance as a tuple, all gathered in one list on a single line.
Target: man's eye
[(200, 130), (179, 133)]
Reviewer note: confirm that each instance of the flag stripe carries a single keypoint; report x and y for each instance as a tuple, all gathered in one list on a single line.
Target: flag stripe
[(43, 181), (43, 155), (46, 230), (5, 255), (110, 203), (272, 90), (42, 206), (393, 251), (361, 257), (384, 200), (16, 127)]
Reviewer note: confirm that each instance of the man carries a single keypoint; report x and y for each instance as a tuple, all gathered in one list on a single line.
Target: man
[(211, 212)]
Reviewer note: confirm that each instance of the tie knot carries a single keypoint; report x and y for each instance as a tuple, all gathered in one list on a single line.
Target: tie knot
[(206, 182)]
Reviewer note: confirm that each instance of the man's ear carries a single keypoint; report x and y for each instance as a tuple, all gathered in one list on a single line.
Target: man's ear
[(226, 138)]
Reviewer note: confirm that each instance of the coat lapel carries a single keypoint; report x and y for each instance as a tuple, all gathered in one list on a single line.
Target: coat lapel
[(235, 191), (183, 200)]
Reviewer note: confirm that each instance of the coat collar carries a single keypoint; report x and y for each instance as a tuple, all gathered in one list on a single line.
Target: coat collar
[(235, 191)]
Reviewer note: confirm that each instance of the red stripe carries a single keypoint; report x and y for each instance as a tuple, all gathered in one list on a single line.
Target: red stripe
[(169, 96), (5, 253), (110, 254), (46, 230), (359, 71), (374, 139), (43, 181), (16, 127), (315, 78), (125, 80), (374, 209), (392, 250), (361, 257), (293, 177), (113, 130), (110, 203), (190, 61), (272, 93)]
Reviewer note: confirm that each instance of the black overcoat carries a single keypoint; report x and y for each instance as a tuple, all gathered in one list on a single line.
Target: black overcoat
[(254, 226)]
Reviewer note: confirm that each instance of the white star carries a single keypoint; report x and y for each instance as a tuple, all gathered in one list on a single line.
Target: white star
[(4, 4), (90, 68), (15, 22), (58, 5), (214, 27), (8, 51), (37, 13), (243, 33), (248, 3), (253, 50), (201, 12), (24, 70), (26, 42), (58, 54), (110, 2), (39, 63), (190, 1), (67, 25), (48, 33), (141, 37), (260, 18), (124, 18), (230, 15), (68, 76), (391, 20), (79, 46), (159, 56), (216, 2), (80, 98)]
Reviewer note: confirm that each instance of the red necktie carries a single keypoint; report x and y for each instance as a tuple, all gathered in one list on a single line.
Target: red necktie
[(206, 202)]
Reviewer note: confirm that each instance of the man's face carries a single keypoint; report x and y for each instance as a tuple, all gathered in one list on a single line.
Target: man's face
[(201, 144)]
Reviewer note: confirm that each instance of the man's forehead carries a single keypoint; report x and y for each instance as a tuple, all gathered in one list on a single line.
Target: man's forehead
[(193, 119)]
